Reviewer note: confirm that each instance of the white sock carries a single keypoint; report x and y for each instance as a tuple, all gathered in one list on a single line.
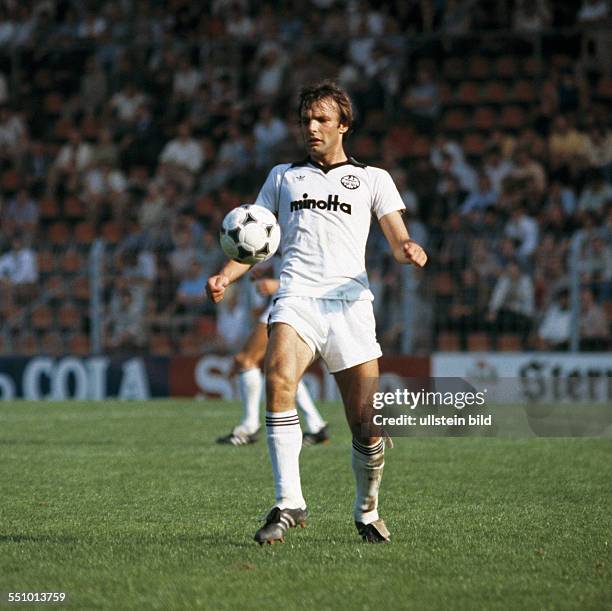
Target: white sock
[(284, 444), (312, 417), (368, 463), (250, 383)]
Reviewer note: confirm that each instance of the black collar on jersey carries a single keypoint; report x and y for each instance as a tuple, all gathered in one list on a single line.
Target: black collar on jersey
[(327, 168)]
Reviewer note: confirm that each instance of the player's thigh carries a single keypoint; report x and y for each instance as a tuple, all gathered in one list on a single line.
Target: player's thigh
[(357, 386), (287, 358), (254, 349)]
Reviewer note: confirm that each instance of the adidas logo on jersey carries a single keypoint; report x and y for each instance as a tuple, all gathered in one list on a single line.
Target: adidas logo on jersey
[(331, 204)]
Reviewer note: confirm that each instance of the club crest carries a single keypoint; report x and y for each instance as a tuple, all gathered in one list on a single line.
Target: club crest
[(350, 182)]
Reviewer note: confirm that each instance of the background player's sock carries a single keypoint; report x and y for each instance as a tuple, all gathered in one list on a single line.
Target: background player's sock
[(285, 443), (368, 463), (312, 417), (250, 384)]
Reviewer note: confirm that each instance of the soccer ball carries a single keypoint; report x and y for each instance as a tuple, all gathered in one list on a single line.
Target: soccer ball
[(249, 234)]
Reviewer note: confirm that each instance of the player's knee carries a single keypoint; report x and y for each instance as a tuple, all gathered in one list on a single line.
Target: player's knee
[(243, 362), (280, 384)]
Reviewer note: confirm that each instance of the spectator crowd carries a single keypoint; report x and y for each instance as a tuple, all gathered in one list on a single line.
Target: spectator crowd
[(143, 122)]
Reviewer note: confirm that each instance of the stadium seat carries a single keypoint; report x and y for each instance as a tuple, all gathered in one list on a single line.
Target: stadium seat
[(54, 287), (478, 341), (52, 343), (206, 326), (78, 344), (506, 67), (72, 262), (189, 344), (604, 88), (523, 92), (58, 234), (512, 117), (160, 344), (53, 103), (48, 208), (468, 93), (454, 120), (607, 306), (531, 67), (420, 147), (494, 92), (448, 342), (84, 234), (111, 232), (69, 317), (484, 118), (444, 284), (509, 342), (73, 207), (479, 68), (46, 262), (80, 288), (26, 344), (454, 69), (474, 145), (42, 317), (10, 180)]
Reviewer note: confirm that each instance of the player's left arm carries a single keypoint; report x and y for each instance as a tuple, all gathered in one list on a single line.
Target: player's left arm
[(404, 249)]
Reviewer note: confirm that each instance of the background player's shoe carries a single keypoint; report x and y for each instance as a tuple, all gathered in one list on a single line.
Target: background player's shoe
[(239, 437), (278, 522), (312, 439), (375, 532)]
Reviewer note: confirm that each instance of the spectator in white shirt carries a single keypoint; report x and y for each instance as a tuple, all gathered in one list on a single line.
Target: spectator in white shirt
[(269, 132), (18, 273), (554, 330), (182, 158), (511, 307), (71, 161), (524, 231)]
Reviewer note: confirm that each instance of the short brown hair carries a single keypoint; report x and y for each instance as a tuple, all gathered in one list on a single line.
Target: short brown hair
[(327, 90)]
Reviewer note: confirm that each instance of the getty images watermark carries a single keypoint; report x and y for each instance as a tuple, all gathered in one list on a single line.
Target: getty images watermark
[(404, 407)]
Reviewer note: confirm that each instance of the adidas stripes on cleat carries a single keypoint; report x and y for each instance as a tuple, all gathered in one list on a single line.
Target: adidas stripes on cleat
[(375, 532), (278, 522), (312, 439), (239, 437)]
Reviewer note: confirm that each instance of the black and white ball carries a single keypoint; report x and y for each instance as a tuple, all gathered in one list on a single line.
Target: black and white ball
[(250, 234)]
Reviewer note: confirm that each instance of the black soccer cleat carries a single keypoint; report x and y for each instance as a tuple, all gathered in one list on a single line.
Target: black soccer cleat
[(278, 522), (312, 439), (375, 532), (239, 437)]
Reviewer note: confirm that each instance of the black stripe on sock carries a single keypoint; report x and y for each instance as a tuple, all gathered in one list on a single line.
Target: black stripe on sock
[(288, 423), (369, 450)]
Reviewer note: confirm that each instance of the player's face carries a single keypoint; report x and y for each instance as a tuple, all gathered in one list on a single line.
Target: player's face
[(322, 131)]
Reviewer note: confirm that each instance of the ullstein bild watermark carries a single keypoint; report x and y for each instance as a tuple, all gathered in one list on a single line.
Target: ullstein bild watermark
[(405, 407)]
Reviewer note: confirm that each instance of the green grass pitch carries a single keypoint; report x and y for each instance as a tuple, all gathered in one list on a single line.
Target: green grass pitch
[(132, 506)]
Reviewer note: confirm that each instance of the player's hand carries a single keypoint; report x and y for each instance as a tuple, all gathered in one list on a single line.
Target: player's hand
[(414, 253), (267, 286), (215, 287)]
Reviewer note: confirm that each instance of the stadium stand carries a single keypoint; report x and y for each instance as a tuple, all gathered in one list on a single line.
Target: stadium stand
[(142, 122)]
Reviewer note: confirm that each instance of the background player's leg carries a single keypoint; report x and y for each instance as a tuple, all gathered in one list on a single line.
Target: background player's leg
[(250, 379), (312, 417), (357, 386), (287, 358)]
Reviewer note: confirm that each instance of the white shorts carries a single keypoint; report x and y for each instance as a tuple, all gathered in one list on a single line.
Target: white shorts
[(265, 315), (342, 333)]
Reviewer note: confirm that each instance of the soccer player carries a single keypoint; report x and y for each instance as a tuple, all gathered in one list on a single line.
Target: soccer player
[(324, 305), (246, 365)]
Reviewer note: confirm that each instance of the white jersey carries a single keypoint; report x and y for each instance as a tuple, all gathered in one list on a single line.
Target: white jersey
[(324, 215)]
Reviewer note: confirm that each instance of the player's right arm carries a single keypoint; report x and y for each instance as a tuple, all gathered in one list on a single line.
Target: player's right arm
[(216, 285)]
